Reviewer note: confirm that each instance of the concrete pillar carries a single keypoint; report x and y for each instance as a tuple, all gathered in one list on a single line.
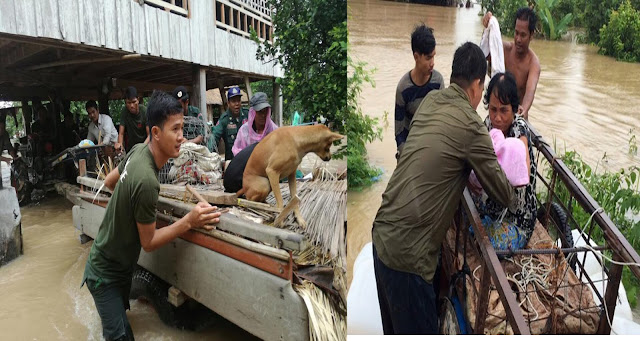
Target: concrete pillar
[(199, 95), (277, 104)]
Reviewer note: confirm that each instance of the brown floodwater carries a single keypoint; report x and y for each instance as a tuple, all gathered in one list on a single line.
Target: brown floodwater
[(40, 294), (584, 101)]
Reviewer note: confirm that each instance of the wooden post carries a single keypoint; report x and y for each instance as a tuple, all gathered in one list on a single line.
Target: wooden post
[(277, 104), (27, 115), (103, 103), (223, 95), (248, 86), (482, 305), (199, 93)]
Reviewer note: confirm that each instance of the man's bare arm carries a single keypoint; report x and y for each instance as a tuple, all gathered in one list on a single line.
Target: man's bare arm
[(120, 137), (532, 84), (112, 178), (202, 215)]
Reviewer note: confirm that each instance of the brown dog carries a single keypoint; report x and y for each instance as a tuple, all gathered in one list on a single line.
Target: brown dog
[(277, 157)]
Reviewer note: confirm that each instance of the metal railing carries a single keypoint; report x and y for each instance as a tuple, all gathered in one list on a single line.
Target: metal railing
[(564, 189)]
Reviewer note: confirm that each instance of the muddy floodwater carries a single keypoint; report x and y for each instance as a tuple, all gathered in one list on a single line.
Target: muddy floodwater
[(584, 101), (41, 298)]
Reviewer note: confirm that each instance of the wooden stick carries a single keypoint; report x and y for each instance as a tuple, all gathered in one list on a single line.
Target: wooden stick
[(200, 199), (258, 206), (196, 194), (290, 207)]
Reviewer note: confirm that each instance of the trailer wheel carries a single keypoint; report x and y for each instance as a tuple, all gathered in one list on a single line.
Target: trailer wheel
[(559, 219), (191, 315)]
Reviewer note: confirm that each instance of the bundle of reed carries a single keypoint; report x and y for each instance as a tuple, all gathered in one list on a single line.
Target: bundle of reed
[(327, 321), (323, 205), (105, 168)]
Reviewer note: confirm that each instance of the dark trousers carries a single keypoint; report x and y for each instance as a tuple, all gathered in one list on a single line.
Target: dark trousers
[(407, 301), (112, 303)]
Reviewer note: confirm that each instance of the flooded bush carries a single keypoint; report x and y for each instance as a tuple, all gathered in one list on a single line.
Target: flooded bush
[(361, 129), (620, 38), (597, 14)]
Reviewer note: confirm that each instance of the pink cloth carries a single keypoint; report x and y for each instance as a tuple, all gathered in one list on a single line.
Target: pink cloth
[(512, 157), (247, 136)]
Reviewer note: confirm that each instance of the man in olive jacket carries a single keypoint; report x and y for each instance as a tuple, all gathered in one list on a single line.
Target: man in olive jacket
[(447, 140)]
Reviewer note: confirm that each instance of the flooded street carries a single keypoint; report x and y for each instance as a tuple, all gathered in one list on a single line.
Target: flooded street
[(41, 296), (584, 101)]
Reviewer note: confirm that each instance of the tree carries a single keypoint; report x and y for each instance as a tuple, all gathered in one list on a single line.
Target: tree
[(310, 43)]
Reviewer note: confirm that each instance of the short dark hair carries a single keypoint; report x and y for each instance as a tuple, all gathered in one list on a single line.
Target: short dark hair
[(91, 104), (130, 92), (422, 39), (162, 105), (504, 86), (526, 13), (469, 64)]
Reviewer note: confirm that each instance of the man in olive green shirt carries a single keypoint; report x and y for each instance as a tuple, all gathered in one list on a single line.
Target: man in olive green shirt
[(130, 219), (133, 121), (446, 141), (181, 94), (230, 121)]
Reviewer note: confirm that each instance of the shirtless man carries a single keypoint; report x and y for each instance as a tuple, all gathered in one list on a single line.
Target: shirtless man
[(520, 60)]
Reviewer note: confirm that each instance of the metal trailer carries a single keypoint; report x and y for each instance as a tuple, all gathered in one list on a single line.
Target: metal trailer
[(248, 283), (563, 189)]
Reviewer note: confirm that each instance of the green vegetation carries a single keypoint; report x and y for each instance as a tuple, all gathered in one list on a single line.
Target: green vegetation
[(361, 129), (552, 28), (618, 193), (620, 38), (310, 43)]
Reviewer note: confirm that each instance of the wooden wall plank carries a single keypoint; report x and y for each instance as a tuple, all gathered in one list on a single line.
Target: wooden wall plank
[(47, 19), (174, 36), (102, 40), (110, 24), (139, 28), (90, 22), (185, 41), (164, 34), (123, 15), (134, 27), (8, 22), (211, 33), (151, 21), (196, 27), (25, 17)]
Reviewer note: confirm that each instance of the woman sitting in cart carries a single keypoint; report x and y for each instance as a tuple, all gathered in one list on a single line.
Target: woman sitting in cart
[(507, 229)]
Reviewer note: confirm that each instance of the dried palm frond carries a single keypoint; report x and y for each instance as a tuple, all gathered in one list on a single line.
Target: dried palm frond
[(326, 321), (323, 204)]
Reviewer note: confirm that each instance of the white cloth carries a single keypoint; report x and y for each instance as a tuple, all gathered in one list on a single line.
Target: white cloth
[(105, 125), (491, 44), (195, 164), (363, 309)]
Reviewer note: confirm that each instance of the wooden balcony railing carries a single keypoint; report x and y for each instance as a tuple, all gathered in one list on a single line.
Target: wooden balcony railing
[(180, 7), (239, 16)]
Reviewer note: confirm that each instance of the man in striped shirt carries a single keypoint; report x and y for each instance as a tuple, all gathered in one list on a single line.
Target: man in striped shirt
[(415, 84)]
